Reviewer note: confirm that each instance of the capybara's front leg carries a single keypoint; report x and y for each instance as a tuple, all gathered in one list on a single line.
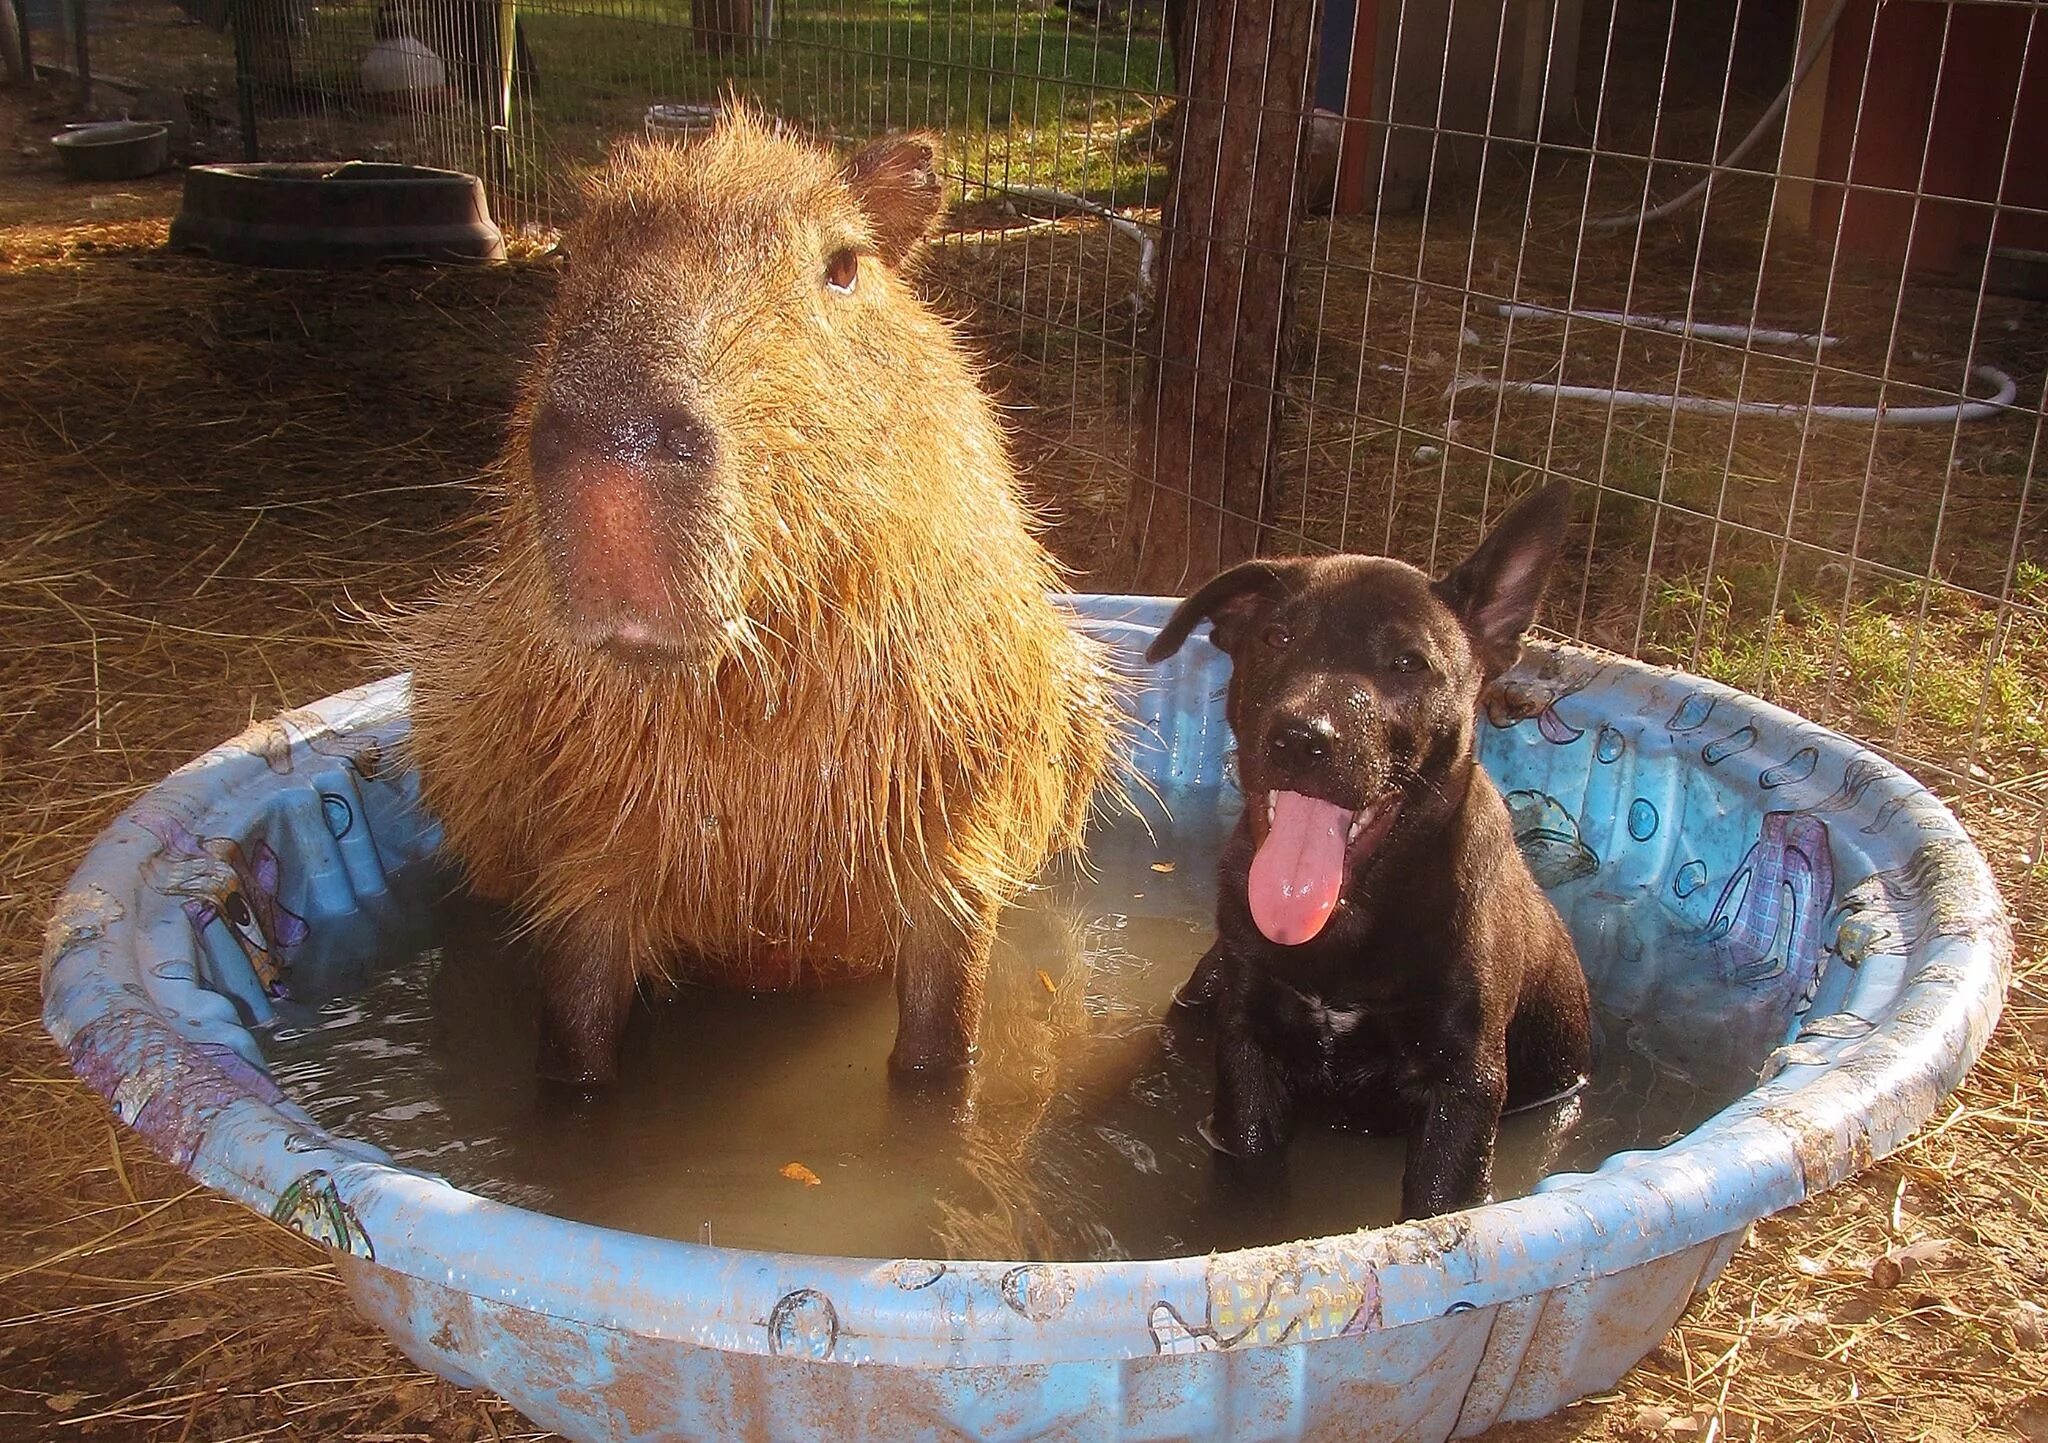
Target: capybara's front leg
[(941, 974), (586, 992)]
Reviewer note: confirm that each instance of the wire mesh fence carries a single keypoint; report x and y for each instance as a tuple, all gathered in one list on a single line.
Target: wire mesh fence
[(1762, 279)]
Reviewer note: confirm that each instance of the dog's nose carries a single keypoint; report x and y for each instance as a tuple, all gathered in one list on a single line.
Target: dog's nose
[(1299, 741)]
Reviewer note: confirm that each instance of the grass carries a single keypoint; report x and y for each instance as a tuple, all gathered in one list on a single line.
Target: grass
[(1968, 683), (1020, 88)]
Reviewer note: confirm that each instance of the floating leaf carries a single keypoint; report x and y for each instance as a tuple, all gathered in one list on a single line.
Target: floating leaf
[(62, 1402), (797, 1172), (1162, 866)]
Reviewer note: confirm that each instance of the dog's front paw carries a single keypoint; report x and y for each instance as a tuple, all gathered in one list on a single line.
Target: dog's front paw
[(1253, 1111), (1198, 993), (1242, 1138)]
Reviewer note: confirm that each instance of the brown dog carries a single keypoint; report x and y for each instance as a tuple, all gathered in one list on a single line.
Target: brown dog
[(1382, 950)]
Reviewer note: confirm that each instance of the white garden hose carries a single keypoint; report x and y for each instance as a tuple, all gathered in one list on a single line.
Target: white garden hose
[(1742, 147), (1711, 330), (1148, 244), (1942, 415)]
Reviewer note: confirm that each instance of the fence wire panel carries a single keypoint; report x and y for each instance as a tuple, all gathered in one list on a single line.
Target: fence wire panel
[(1763, 279)]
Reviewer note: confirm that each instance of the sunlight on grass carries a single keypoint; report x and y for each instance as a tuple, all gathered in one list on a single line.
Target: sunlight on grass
[(1024, 93), (1960, 674)]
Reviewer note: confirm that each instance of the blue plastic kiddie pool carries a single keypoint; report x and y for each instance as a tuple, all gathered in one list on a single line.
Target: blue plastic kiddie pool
[(1830, 904)]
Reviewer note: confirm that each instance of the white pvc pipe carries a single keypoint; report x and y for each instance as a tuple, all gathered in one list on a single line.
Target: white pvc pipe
[(1719, 406), (1712, 330), (1148, 245)]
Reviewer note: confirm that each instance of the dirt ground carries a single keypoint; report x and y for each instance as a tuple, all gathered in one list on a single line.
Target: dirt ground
[(205, 476)]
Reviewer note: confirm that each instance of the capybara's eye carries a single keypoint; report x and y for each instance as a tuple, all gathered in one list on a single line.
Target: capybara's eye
[(1278, 637), (1411, 662), (842, 270)]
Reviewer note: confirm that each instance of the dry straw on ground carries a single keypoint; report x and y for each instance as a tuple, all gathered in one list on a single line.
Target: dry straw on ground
[(206, 471)]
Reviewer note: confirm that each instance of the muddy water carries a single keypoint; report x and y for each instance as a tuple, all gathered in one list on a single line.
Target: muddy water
[(1075, 1140)]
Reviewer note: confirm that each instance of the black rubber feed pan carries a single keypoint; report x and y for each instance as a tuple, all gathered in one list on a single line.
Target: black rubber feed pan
[(323, 215)]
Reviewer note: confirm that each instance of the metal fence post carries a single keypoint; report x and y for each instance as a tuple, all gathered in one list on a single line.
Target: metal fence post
[(81, 52)]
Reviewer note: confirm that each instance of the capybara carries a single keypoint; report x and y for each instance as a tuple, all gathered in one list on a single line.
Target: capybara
[(760, 682), (1383, 950)]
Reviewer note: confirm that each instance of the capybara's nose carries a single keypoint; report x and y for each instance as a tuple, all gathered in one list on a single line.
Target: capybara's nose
[(618, 486), (662, 440), (1296, 742)]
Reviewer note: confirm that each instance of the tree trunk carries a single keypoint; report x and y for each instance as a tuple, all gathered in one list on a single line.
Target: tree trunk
[(723, 27), (10, 42), (1212, 422)]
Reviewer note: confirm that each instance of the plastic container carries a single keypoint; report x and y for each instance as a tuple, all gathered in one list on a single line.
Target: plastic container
[(318, 215), (1840, 907), (113, 149)]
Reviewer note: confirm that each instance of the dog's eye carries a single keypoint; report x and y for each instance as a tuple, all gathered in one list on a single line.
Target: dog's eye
[(1408, 663), (1278, 637), (842, 271)]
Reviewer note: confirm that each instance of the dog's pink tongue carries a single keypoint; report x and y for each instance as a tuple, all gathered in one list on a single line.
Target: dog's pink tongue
[(1299, 869)]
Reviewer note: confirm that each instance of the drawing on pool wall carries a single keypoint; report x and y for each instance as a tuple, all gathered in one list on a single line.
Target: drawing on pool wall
[(272, 740), (1038, 1291), (313, 1208), (803, 1324), (217, 879), (1790, 772), (1771, 912), (1171, 1333), (169, 1090), (1857, 775), (1691, 714), (1735, 743), (1896, 910), (1548, 835), (1515, 699), (1265, 1308)]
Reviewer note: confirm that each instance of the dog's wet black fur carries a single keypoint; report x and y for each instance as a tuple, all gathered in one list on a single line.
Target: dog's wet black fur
[(1442, 987)]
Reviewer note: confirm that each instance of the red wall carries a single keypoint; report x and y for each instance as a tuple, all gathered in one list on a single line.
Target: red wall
[(1988, 70)]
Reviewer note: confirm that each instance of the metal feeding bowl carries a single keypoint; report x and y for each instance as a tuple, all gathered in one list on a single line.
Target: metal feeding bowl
[(1830, 908)]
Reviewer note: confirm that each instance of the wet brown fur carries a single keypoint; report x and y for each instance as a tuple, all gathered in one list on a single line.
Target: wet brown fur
[(891, 727)]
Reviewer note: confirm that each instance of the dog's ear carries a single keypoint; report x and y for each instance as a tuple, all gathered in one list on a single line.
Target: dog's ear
[(1233, 600), (1495, 590)]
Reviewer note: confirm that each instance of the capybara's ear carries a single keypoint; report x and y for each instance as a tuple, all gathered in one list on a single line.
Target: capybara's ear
[(1232, 601), (1494, 591), (894, 180)]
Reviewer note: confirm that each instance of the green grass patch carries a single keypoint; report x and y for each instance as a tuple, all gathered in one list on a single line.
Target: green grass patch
[(1876, 665), (1024, 93)]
